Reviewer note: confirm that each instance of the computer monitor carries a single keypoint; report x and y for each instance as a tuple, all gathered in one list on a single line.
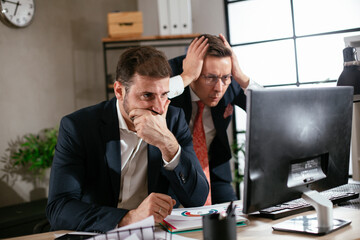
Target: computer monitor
[(297, 140)]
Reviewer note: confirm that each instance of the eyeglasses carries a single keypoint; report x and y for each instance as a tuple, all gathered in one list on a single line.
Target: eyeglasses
[(212, 80)]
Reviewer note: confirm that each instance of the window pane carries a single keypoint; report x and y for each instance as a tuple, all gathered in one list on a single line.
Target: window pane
[(318, 16), (268, 63), (240, 119), (321, 58), (258, 20)]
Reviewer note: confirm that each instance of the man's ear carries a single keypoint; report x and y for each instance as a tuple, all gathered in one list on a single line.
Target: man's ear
[(119, 90)]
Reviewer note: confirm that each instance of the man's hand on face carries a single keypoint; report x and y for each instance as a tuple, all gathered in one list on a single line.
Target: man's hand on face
[(193, 62), (157, 204), (236, 71), (152, 128)]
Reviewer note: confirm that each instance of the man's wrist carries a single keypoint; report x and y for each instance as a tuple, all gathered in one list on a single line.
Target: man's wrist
[(242, 80), (169, 148), (126, 220), (187, 79)]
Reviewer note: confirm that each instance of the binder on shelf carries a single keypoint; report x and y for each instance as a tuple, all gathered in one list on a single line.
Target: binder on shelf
[(163, 14), (185, 16), (174, 17)]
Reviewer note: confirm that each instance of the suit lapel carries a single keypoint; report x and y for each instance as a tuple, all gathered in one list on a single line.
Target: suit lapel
[(184, 101), (111, 139), (219, 123), (153, 167), (187, 105)]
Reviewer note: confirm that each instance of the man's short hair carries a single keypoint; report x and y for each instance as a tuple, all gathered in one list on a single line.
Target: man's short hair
[(217, 47), (143, 60)]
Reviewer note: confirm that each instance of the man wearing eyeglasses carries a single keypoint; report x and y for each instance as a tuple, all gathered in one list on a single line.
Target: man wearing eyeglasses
[(216, 83)]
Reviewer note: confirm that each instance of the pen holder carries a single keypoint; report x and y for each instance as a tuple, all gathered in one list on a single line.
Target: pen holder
[(215, 228)]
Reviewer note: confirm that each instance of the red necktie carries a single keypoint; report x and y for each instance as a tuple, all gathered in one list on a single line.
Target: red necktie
[(200, 148)]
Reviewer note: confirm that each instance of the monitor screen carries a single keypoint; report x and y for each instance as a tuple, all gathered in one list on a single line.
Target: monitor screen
[(296, 139)]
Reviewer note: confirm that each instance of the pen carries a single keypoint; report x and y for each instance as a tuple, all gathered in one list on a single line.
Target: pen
[(229, 209), (232, 212)]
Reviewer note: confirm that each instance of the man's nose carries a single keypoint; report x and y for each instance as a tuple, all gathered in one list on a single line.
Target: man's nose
[(218, 86), (158, 105)]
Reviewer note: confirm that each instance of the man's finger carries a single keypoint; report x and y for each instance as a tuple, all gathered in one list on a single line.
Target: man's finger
[(226, 43), (203, 48), (195, 43), (139, 112)]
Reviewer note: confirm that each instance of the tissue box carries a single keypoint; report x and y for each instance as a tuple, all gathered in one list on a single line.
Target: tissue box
[(125, 24)]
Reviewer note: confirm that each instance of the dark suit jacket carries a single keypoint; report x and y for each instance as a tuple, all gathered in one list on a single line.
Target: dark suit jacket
[(86, 171), (219, 152)]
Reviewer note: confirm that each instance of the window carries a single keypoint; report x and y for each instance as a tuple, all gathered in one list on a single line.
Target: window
[(289, 43)]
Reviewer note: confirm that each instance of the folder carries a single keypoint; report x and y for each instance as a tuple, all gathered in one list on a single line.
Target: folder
[(174, 17), (163, 14), (185, 16)]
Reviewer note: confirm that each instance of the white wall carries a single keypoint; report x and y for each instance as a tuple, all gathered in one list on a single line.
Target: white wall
[(207, 16), (49, 69)]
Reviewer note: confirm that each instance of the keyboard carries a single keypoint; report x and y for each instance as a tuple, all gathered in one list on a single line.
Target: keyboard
[(345, 195)]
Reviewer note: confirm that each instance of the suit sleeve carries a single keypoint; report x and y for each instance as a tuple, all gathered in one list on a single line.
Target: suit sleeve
[(187, 180), (66, 209)]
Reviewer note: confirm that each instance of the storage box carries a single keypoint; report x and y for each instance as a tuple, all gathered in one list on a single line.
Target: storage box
[(125, 24)]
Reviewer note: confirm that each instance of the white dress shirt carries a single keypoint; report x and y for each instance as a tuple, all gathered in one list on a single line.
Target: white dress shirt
[(134, 165)]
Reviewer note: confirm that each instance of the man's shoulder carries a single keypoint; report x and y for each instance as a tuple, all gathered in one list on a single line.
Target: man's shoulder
[(89, 113), (175, 114), (173, 111), (176, 65), (177, 59)]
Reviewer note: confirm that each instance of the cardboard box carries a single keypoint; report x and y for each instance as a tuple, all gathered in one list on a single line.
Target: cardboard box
[(125, 24)]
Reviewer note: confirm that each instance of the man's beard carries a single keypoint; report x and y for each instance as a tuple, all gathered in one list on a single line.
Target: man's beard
[(126, 105)]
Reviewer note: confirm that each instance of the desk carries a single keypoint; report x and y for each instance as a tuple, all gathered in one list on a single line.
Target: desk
[(260, 228)]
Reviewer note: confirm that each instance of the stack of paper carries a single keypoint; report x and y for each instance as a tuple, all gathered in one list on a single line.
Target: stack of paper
[(187, 219)]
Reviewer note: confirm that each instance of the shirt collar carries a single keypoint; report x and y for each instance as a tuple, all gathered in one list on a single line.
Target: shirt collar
[(122, 123), (194, 97)]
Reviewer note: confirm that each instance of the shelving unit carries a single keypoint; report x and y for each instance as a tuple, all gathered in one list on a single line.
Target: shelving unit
[(110, 44)]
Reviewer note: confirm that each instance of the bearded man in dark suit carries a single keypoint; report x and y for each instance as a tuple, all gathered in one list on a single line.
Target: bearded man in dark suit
[(116, 161)]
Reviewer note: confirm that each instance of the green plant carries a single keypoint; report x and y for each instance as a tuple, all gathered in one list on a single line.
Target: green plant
[(30, 155)]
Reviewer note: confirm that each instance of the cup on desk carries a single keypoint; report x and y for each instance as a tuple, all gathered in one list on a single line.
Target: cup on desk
[(217, 227)]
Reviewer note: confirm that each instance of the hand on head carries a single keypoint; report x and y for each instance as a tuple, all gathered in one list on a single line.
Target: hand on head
[(157, 204), (236, 71), (193, 62)]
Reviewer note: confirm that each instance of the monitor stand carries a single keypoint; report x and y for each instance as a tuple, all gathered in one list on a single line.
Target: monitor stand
[(320, 224)]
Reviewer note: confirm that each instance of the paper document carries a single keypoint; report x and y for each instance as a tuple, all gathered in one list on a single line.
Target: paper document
[(185, 219)]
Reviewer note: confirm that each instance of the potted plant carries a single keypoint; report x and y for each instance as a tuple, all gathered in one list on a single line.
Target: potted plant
[(30, 156)]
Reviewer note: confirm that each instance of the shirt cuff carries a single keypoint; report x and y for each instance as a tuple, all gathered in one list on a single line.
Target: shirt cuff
[(252, 85), (176, 86), (174, 162)]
